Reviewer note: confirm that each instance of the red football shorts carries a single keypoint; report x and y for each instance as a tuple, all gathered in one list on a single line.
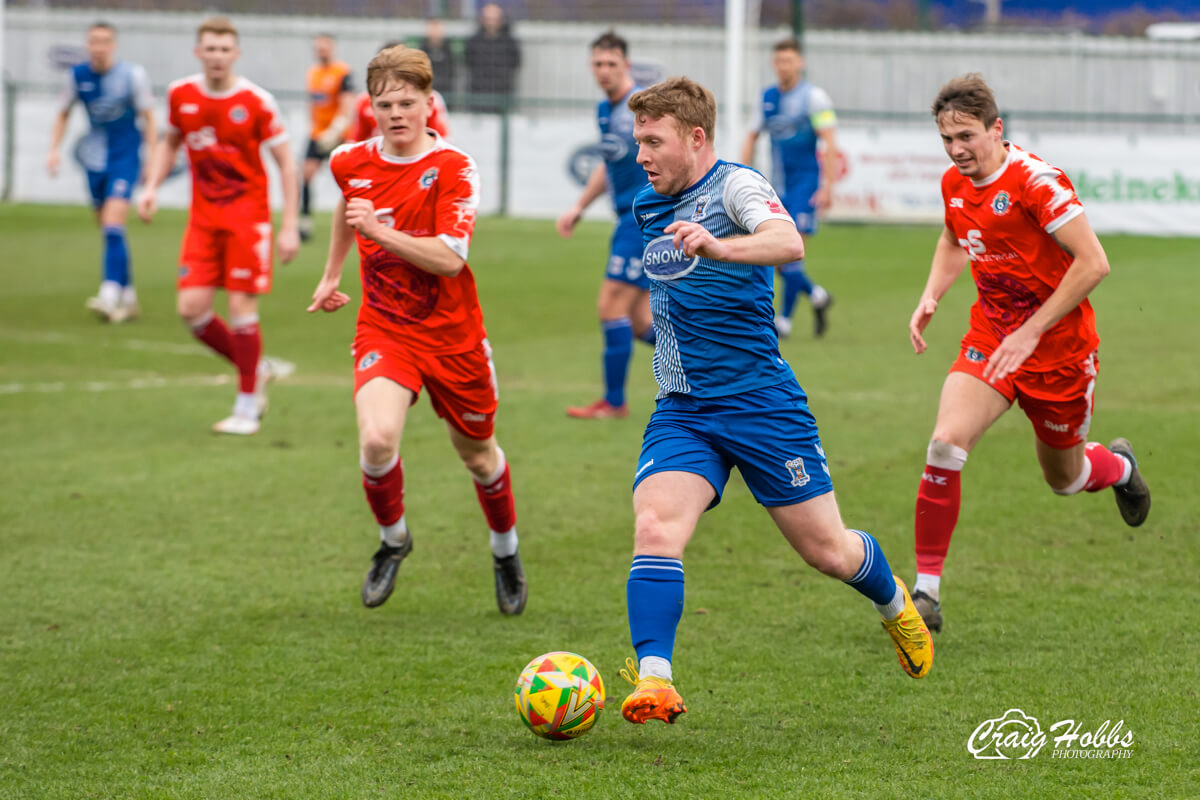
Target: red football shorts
[(1059, 402), (462, 386), (235, 260)]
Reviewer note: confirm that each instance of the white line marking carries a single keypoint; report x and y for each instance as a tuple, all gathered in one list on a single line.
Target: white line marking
[(149, 345), (149, 382)]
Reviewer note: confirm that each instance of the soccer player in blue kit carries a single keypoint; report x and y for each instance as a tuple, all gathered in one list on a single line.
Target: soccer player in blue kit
[(798, 115), (624, 296), (712, 232), (115, 94)]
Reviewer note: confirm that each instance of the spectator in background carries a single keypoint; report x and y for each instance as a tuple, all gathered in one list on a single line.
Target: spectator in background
[(493, 57), (441, 56)]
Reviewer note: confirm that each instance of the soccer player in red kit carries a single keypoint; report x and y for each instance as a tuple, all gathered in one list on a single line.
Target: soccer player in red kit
[(224, 120), (410, 199), (365, 126), (1032, 338)]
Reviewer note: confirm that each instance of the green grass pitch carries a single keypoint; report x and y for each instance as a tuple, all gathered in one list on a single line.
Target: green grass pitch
[(179, 613)]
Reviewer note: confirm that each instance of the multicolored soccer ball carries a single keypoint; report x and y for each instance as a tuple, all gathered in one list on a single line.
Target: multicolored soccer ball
[(559, 695)]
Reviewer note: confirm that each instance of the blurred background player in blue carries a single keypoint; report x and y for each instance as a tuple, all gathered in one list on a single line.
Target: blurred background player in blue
[(624, 301), (115, 94), (797, 116)]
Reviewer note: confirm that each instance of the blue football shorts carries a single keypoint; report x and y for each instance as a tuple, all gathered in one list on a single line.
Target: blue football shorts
[(625, 254), (769, 434), (798, 201), (117, 181)]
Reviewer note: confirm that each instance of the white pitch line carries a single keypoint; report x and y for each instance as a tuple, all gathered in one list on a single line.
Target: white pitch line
[(145, 345), (151, 382)]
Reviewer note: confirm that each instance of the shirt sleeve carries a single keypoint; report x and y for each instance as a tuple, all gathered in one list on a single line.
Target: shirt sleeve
[(1052, 198), (143, 95), (347, 82), (172, 110), (750, 201), (820, 110), (457, 205), (271, 130)]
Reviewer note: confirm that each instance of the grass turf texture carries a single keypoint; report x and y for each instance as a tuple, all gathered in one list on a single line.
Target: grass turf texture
[(181, 615)]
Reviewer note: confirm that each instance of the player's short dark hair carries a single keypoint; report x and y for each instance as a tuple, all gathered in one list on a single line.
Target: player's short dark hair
[(790, 43), (103, 25), (687, 102), (609, 40), (970, 96)]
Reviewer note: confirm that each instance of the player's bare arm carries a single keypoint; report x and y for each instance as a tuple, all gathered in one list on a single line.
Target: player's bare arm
[(327, 297), (597, 185), (288, 240), (54, 157), (158, 166), (774, 242), (427, 253), (1085, 273), (748, 148), (149, 136), (949, 260), (823, 197)]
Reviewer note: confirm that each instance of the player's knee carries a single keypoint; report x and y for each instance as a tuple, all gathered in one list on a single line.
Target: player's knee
[(1061, 481), (830, 559), (379, 442), (654, 536), (193, 311), (480, 461)]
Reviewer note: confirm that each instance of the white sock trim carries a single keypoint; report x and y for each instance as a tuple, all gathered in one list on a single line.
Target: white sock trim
[(504, 543), (394, 535), (496, 475), (945, 456), (379, 472), (892, 609), (242, 322), (1127, 474), (929, 584), (1077, 485), (655, 667), (201, 322)]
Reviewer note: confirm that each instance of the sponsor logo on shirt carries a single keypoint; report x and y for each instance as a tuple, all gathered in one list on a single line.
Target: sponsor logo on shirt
[(1001, 203), (956, 202), (360, 183), (189, 108), (664, 262), (428, 178), (775, 207)]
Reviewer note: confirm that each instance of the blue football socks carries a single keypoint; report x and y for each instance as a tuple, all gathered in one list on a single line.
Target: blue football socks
[(795, 283), (618, 347), (116, 255), (654, 595), (874, 578)]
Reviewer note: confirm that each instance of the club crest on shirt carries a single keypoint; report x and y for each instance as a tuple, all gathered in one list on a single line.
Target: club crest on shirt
[(428, 178), (239, 114), (1001, 203), (701, 207), (368, 361)]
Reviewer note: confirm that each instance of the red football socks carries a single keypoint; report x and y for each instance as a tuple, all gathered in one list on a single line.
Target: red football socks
[(247, 350), (496, 500), (938, 501), (385, 493), (1107, 467), (215, 333)]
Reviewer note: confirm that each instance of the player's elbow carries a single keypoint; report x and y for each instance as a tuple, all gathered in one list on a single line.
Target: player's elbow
[(795, 247), (450, 266)]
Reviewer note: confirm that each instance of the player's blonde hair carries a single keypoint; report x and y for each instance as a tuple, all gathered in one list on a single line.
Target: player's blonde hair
[(682, 99), (970, 96), (217, 25), (399, 64)]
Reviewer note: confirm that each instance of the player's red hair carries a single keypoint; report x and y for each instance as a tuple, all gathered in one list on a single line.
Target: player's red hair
[(970, 96), (399, 64), (218, 25), (687, 102)]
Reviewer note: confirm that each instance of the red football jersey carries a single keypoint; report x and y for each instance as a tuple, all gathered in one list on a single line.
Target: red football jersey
[(365, 125), (1005, 223), (433, 194), (224, 133)]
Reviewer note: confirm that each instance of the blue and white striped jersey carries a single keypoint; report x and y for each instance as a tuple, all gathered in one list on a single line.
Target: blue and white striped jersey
[(113, 100), (714, 321), (793, 119), (619, 149)]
